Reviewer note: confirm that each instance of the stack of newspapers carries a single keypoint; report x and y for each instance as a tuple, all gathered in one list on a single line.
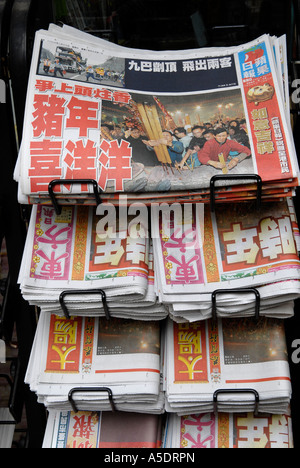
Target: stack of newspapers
[(234, 365), (102, 119), (237, 261), (69, 267), (106, 429), (225, 430), (97, 364)]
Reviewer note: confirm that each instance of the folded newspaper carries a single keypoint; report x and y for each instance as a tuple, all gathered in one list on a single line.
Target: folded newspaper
[(67, 268), (96, 364), (104, 118), (230, 262), (234, 365), (95, 429), (225, 430)]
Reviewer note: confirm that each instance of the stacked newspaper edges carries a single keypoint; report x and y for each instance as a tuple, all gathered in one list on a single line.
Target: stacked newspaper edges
[(237, 254), (66, 255), (234, 365), (244, 258), (228, 430), (95, 429), (83, 108), (94, 364)]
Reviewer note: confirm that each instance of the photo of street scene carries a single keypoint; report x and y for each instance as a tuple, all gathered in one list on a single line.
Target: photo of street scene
[(72, 64)]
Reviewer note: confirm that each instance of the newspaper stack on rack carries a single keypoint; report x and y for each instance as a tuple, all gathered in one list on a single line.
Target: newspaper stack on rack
[(7, 428), (230, 262), (95, 429), (234, 365), (227, 430), (96, 364), (69, 268), (102, 118)]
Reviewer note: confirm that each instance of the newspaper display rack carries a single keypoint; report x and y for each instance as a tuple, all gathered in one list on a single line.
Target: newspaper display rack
[(157, 340)]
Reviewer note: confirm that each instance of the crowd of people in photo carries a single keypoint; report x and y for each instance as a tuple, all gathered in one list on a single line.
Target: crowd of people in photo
[(224, 144)]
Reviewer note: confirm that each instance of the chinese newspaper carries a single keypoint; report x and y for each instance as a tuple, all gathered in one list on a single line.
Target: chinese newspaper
[(95, 429), (225, 430), (237, 246), (151, 123), (7, 428), (65, 254), (234, 365), (105, 364)]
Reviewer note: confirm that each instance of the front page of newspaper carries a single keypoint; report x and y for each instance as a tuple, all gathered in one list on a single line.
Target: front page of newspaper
[(65, 251), (95, 429), (107, 113), (79, 352), (237, 246)]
